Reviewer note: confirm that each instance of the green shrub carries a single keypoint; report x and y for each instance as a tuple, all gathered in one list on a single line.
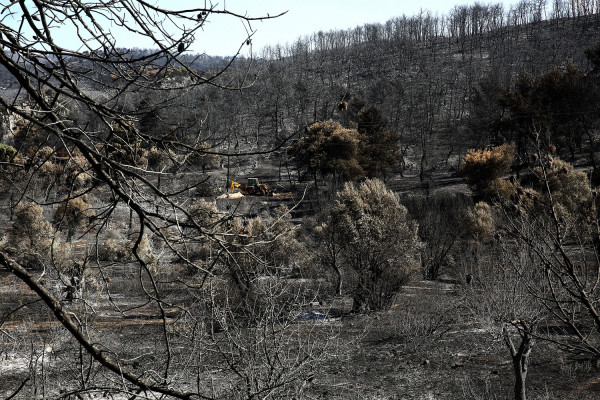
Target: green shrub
[(7, 153)]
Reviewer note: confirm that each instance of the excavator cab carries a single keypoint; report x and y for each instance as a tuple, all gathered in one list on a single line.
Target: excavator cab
[(252, 187)]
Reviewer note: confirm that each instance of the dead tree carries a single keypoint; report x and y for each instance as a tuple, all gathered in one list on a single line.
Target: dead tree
[(84, 97), (520, 355)]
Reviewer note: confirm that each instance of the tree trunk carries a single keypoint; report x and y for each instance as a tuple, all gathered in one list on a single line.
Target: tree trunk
[(520, 376), (423, 164), (520, 356), (592, 155), (70, 233), (338, 289)]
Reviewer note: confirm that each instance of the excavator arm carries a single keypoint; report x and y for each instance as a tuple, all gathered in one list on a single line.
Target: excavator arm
[(235, 185)]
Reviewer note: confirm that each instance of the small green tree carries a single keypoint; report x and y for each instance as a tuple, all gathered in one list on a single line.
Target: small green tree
[(7, 153), (380, 244)]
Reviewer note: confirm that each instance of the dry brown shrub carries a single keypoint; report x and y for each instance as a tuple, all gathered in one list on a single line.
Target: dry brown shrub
[(31, 236), (145, 252), (62, 257), (49, 170), (73, 213), (274, 241), (76, 175), (202, 156), (114, 248), (46, 153), (484, 168), (204, 212), (570, 189), (156, 159), (330, 149), (30, 228), (482, 221), (504, 189)]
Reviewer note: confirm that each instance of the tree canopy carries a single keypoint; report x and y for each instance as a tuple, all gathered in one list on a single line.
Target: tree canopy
[(380, 245), (366, 149)]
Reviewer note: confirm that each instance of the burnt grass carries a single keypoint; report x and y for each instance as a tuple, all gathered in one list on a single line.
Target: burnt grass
[(427, 346)]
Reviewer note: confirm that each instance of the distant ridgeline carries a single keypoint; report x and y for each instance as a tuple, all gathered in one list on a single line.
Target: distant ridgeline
[(481, 28)]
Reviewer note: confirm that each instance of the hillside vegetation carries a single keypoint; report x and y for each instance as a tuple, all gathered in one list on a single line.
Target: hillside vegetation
[(429, 228)]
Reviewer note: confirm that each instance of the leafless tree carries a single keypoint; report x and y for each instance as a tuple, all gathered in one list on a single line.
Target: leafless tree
[(559, 229), (498, 298), (520, 354), (91, 102), (543, 284)]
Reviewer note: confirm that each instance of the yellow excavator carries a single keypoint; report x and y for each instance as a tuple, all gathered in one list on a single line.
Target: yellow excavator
[(252, 188)]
